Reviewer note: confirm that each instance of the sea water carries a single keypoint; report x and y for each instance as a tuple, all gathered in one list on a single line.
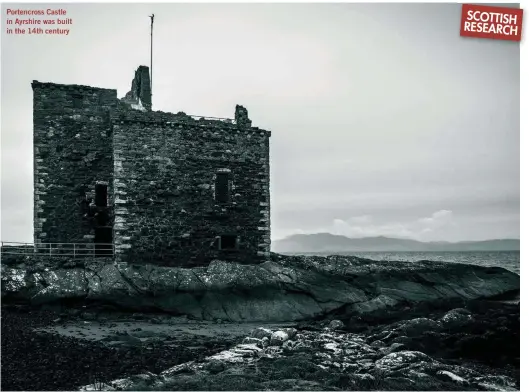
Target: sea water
[(507, 259)]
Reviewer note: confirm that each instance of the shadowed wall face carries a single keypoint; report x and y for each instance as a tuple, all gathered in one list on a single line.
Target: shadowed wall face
[(189, 191), (72, 151)]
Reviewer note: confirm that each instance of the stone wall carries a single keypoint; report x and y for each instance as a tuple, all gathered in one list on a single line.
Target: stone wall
[(72, 150), (164, 178)]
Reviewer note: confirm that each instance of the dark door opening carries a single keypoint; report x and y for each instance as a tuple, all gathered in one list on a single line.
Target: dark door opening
[(102, 231), (103, 241)]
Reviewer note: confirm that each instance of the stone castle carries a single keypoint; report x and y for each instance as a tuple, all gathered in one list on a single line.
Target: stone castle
[(163, 188)]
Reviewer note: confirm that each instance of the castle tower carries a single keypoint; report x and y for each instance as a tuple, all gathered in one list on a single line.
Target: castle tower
[(164, 188), (72, 136)]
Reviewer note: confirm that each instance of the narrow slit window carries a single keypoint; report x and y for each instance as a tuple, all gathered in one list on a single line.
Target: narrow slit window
[(222, 187)]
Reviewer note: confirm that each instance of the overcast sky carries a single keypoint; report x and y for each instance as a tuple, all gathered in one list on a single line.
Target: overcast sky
[(384, 120)]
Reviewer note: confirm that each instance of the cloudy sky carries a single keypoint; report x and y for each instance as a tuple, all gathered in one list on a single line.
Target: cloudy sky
[(384, 120)]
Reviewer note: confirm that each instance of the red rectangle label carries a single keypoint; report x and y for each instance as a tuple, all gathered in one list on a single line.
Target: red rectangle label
[(484, 21)]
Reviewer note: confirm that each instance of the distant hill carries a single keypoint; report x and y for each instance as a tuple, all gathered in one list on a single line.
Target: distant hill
[(330, 243)]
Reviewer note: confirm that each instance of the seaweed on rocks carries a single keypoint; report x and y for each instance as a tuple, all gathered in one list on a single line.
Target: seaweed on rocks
[(51, 362)]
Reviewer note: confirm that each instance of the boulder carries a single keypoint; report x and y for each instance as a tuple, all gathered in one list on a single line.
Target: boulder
[(418, 326), (260, 333), (456, 318), (336, 324), (395, 361), (215, 366), (278, 338), (291, 332), (363, 381)]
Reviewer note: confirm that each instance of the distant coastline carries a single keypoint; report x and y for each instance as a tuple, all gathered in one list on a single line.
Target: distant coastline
[(322, 243)]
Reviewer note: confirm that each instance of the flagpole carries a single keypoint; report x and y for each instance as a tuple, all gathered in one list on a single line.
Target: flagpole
[(152, 23)]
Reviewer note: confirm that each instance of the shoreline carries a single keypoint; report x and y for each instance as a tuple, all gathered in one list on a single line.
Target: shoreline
[(293, 323), (71, 349)]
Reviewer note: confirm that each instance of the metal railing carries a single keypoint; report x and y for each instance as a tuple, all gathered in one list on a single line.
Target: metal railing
[(227, 120), (52, 249)]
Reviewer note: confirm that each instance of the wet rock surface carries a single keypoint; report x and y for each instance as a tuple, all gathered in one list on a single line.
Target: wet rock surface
[(38, 353), (287, 288), (88, 349), (294, 323)]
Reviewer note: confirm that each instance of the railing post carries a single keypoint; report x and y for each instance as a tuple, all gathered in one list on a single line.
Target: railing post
[(50, 247), (74, 250)]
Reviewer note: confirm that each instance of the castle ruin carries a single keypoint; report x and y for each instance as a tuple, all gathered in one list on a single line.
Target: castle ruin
[(163, 188)]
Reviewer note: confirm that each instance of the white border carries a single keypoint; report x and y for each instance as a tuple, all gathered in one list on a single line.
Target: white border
[(524, 193), (524, 139)]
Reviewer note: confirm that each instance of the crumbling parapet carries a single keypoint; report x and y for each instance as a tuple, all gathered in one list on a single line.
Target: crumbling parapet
[(241, 116), (140, 96)]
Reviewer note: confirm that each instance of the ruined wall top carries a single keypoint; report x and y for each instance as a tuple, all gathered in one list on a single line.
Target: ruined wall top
[(72, 87), (140, 94), (139, 98), (241, 116), (61, 97)]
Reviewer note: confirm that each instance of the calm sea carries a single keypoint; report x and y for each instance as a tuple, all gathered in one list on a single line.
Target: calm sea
[(507, 259)]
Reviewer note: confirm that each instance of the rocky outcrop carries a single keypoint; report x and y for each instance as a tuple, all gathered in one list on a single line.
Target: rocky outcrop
[(283, 289), (315, 360)]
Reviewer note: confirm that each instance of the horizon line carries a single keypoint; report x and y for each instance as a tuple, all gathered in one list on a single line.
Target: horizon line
[(395, 238)]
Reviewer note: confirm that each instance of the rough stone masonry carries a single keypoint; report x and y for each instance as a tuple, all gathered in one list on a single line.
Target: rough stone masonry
[(164, 188)]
